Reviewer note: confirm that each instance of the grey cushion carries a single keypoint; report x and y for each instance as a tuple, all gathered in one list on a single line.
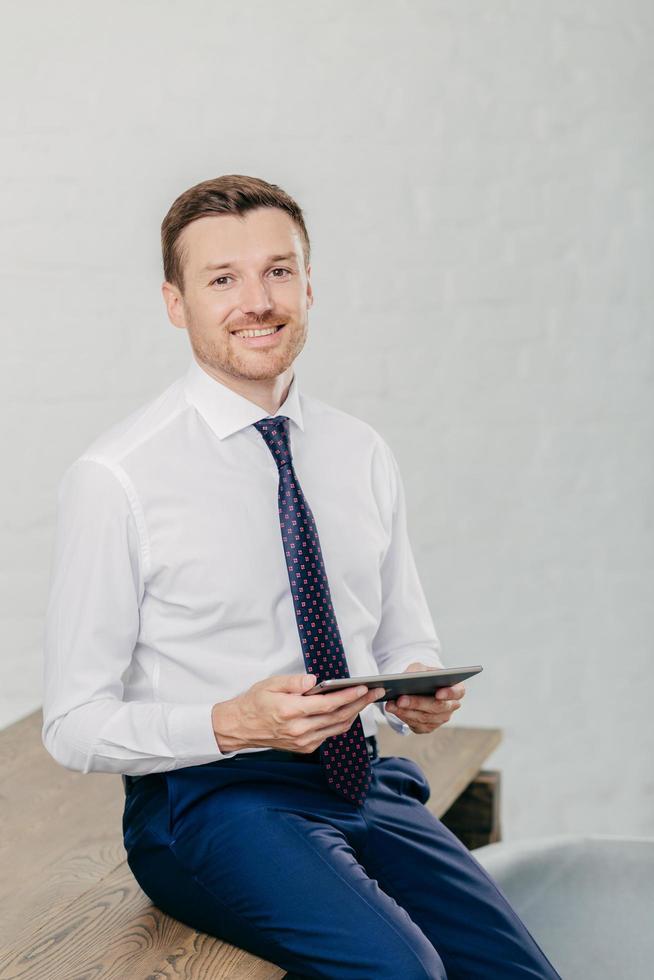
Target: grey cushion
[(587, 900)]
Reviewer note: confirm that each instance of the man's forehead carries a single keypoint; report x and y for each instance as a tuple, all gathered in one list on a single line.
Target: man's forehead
[(227, 238)]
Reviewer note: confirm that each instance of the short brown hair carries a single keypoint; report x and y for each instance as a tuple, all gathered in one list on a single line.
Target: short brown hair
[(229, 194)]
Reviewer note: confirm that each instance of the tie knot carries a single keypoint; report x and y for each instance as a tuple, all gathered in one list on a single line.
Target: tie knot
[(275, 434)]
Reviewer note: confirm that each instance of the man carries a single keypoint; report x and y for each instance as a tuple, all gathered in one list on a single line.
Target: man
[(217, 552)]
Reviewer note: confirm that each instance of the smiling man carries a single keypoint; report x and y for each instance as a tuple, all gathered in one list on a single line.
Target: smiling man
[(218, 551), (246, 312)]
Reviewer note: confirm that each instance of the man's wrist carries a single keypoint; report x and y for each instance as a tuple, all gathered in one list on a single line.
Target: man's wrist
[(223, 720)]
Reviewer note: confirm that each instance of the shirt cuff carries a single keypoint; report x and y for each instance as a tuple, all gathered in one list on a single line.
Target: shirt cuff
[(395, 723), (191, 734)]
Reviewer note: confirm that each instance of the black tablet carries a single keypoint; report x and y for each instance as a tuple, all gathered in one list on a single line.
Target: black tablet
[(413, 682)]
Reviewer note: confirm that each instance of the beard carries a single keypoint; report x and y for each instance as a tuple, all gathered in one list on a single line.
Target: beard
[(220, 351)]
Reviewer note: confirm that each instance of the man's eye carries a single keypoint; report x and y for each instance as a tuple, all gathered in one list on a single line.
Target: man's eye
[(218, 279)]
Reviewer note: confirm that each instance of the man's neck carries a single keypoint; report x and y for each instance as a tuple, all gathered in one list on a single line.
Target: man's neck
[(269, 393)]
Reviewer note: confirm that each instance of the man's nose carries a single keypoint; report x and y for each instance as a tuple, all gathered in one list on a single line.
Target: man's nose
[(254, 297)]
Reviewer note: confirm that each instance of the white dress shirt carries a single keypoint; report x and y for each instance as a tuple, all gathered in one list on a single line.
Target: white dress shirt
[(169, 589)]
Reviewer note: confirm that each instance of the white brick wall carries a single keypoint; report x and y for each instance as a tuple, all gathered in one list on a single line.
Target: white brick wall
[(477, 182)]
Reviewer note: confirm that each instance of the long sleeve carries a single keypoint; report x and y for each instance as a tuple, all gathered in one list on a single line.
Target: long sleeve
[(406, 630), (92, 625)]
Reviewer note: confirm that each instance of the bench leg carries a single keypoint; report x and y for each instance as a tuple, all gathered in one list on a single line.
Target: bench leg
[(475, 816)]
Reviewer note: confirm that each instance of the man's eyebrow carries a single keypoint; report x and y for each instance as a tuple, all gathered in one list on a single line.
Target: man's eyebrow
[(230, 262)]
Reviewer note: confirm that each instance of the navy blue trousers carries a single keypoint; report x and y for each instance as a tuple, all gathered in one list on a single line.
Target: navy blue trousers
[(257, 851)]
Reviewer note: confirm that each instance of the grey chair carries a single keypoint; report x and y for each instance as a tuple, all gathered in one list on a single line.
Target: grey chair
[(587, 900)]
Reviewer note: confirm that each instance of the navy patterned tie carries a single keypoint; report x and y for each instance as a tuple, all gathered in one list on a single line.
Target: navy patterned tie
[(344, 756)]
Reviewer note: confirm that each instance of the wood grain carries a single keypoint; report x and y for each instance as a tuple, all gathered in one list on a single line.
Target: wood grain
[(113, 931), (70, 908)]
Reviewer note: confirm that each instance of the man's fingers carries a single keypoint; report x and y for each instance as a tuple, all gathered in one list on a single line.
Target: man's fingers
[(425, 706), (318, 704), (443, 696), (413, 716), (457, 691)]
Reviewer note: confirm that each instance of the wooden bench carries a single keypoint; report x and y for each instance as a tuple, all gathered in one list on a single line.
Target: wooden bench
[(70, 906)]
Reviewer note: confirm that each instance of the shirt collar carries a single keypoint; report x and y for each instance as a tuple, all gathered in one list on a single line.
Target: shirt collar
[(228, 412)]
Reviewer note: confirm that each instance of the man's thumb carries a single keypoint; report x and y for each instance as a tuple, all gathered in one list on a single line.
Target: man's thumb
[(294, 683), (304, 682)]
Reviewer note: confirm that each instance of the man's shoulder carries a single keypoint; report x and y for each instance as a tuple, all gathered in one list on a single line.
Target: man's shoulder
[(134, 430)]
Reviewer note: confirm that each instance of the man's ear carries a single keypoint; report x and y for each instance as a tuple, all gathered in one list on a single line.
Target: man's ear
[(309, 288), (174, 304)]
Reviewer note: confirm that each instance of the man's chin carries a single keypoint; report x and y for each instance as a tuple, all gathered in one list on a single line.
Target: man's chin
[(268, 374), (251, 365), (267, 370)]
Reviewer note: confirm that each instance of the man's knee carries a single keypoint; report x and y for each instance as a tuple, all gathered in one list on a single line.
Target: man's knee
[(407, 963), (388, 960)]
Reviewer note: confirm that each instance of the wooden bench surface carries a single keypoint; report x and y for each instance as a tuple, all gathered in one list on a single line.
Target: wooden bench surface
[(69, 904)]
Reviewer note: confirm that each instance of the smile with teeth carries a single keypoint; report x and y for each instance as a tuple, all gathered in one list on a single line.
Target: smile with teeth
[(258, 333)]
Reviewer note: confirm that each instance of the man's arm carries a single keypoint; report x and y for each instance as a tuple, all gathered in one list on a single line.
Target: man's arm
[(92, 625), (406, 630)]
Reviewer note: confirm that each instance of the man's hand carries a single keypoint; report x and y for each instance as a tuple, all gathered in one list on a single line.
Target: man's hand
[(274, 714), (426, 712)]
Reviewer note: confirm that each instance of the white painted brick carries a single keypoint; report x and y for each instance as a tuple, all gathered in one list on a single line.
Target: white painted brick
[(477, 183)]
